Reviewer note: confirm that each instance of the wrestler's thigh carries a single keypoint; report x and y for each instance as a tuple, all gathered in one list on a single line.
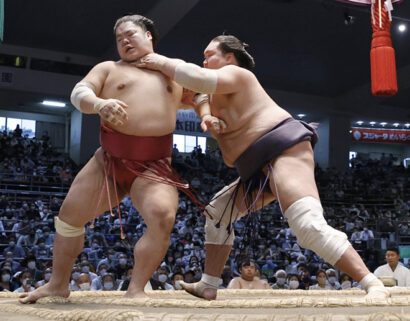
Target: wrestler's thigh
[(80, 204), (293, 175), (155, 201), (263, 199)]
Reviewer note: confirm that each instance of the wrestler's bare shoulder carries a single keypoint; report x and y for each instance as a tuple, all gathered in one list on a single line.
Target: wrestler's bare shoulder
[(238, 73)]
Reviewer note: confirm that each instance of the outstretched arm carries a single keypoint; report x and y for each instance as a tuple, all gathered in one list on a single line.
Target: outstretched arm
[(228, 79)]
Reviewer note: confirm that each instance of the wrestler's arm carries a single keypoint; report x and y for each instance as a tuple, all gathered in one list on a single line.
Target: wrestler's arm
[(228, 79), (85, 96), (200, 103), (96, 78)]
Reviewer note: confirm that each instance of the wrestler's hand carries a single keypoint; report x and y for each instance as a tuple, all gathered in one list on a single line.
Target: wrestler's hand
[(215, 125), (188, 97), (151, 61), (112, 110)]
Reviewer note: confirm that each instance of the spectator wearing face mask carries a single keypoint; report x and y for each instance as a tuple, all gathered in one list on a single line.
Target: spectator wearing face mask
[(46, 278), (26, 282), (96, 254), (6, 284), (108, 282), (123, 266), (332, 279), (280, 283), (16, 249), (14, 265), (32, 266), (96, 283), (293, 281), (86, 268), (75, 274), (162, 277), (321, 279), (84, 282), (41, 251)]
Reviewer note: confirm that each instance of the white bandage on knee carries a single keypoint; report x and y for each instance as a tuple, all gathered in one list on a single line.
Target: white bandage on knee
[(195, 78), (67, 230), (305, 218), (81, 90), (221, 205)]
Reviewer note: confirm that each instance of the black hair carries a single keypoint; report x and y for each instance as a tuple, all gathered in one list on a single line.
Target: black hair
[(145, 23), (393, 249), (229, 43)]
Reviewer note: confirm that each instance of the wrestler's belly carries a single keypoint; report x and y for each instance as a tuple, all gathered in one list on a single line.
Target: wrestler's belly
[(148, 123)]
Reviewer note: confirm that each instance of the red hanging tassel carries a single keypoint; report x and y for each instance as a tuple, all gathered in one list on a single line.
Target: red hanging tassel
[(382, 56)]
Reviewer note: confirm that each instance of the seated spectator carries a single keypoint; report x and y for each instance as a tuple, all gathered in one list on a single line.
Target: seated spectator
[(345, 281), (176, 277), (46, 278), (189, 276), (42, 251), (293, 281), (6, 284), (280, 283), (108, 282), (27, 283), (321, 279), (162, 277), (123, 265), (11, 263), (247, 280), (84, 282), (32, 266), (332, 279), (394, 268), (17, 250)]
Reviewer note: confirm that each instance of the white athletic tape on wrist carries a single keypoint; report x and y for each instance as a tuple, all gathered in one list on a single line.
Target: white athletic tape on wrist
[(200, 99), (221, 201), (81, 90), (67, 230), (195, 78), (305, 218)]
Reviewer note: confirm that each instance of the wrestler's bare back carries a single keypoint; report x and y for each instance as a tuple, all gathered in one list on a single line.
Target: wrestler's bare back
[(152, 98), (249, 113)]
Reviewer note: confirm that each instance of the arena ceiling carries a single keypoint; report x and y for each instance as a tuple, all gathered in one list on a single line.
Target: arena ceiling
[(318, 47)]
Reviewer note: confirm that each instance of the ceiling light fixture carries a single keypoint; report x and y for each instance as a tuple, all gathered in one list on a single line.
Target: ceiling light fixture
[(402, 28), (301, 115), (372, 123), (396, 124), (383, 123), (53, 103), (360, 122)]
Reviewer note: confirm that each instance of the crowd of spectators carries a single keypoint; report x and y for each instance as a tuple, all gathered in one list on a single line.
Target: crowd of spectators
[(365, 202)]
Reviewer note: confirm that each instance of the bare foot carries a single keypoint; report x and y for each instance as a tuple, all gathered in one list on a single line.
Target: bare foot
[(197, 289), (42, 292), (134, 295)]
